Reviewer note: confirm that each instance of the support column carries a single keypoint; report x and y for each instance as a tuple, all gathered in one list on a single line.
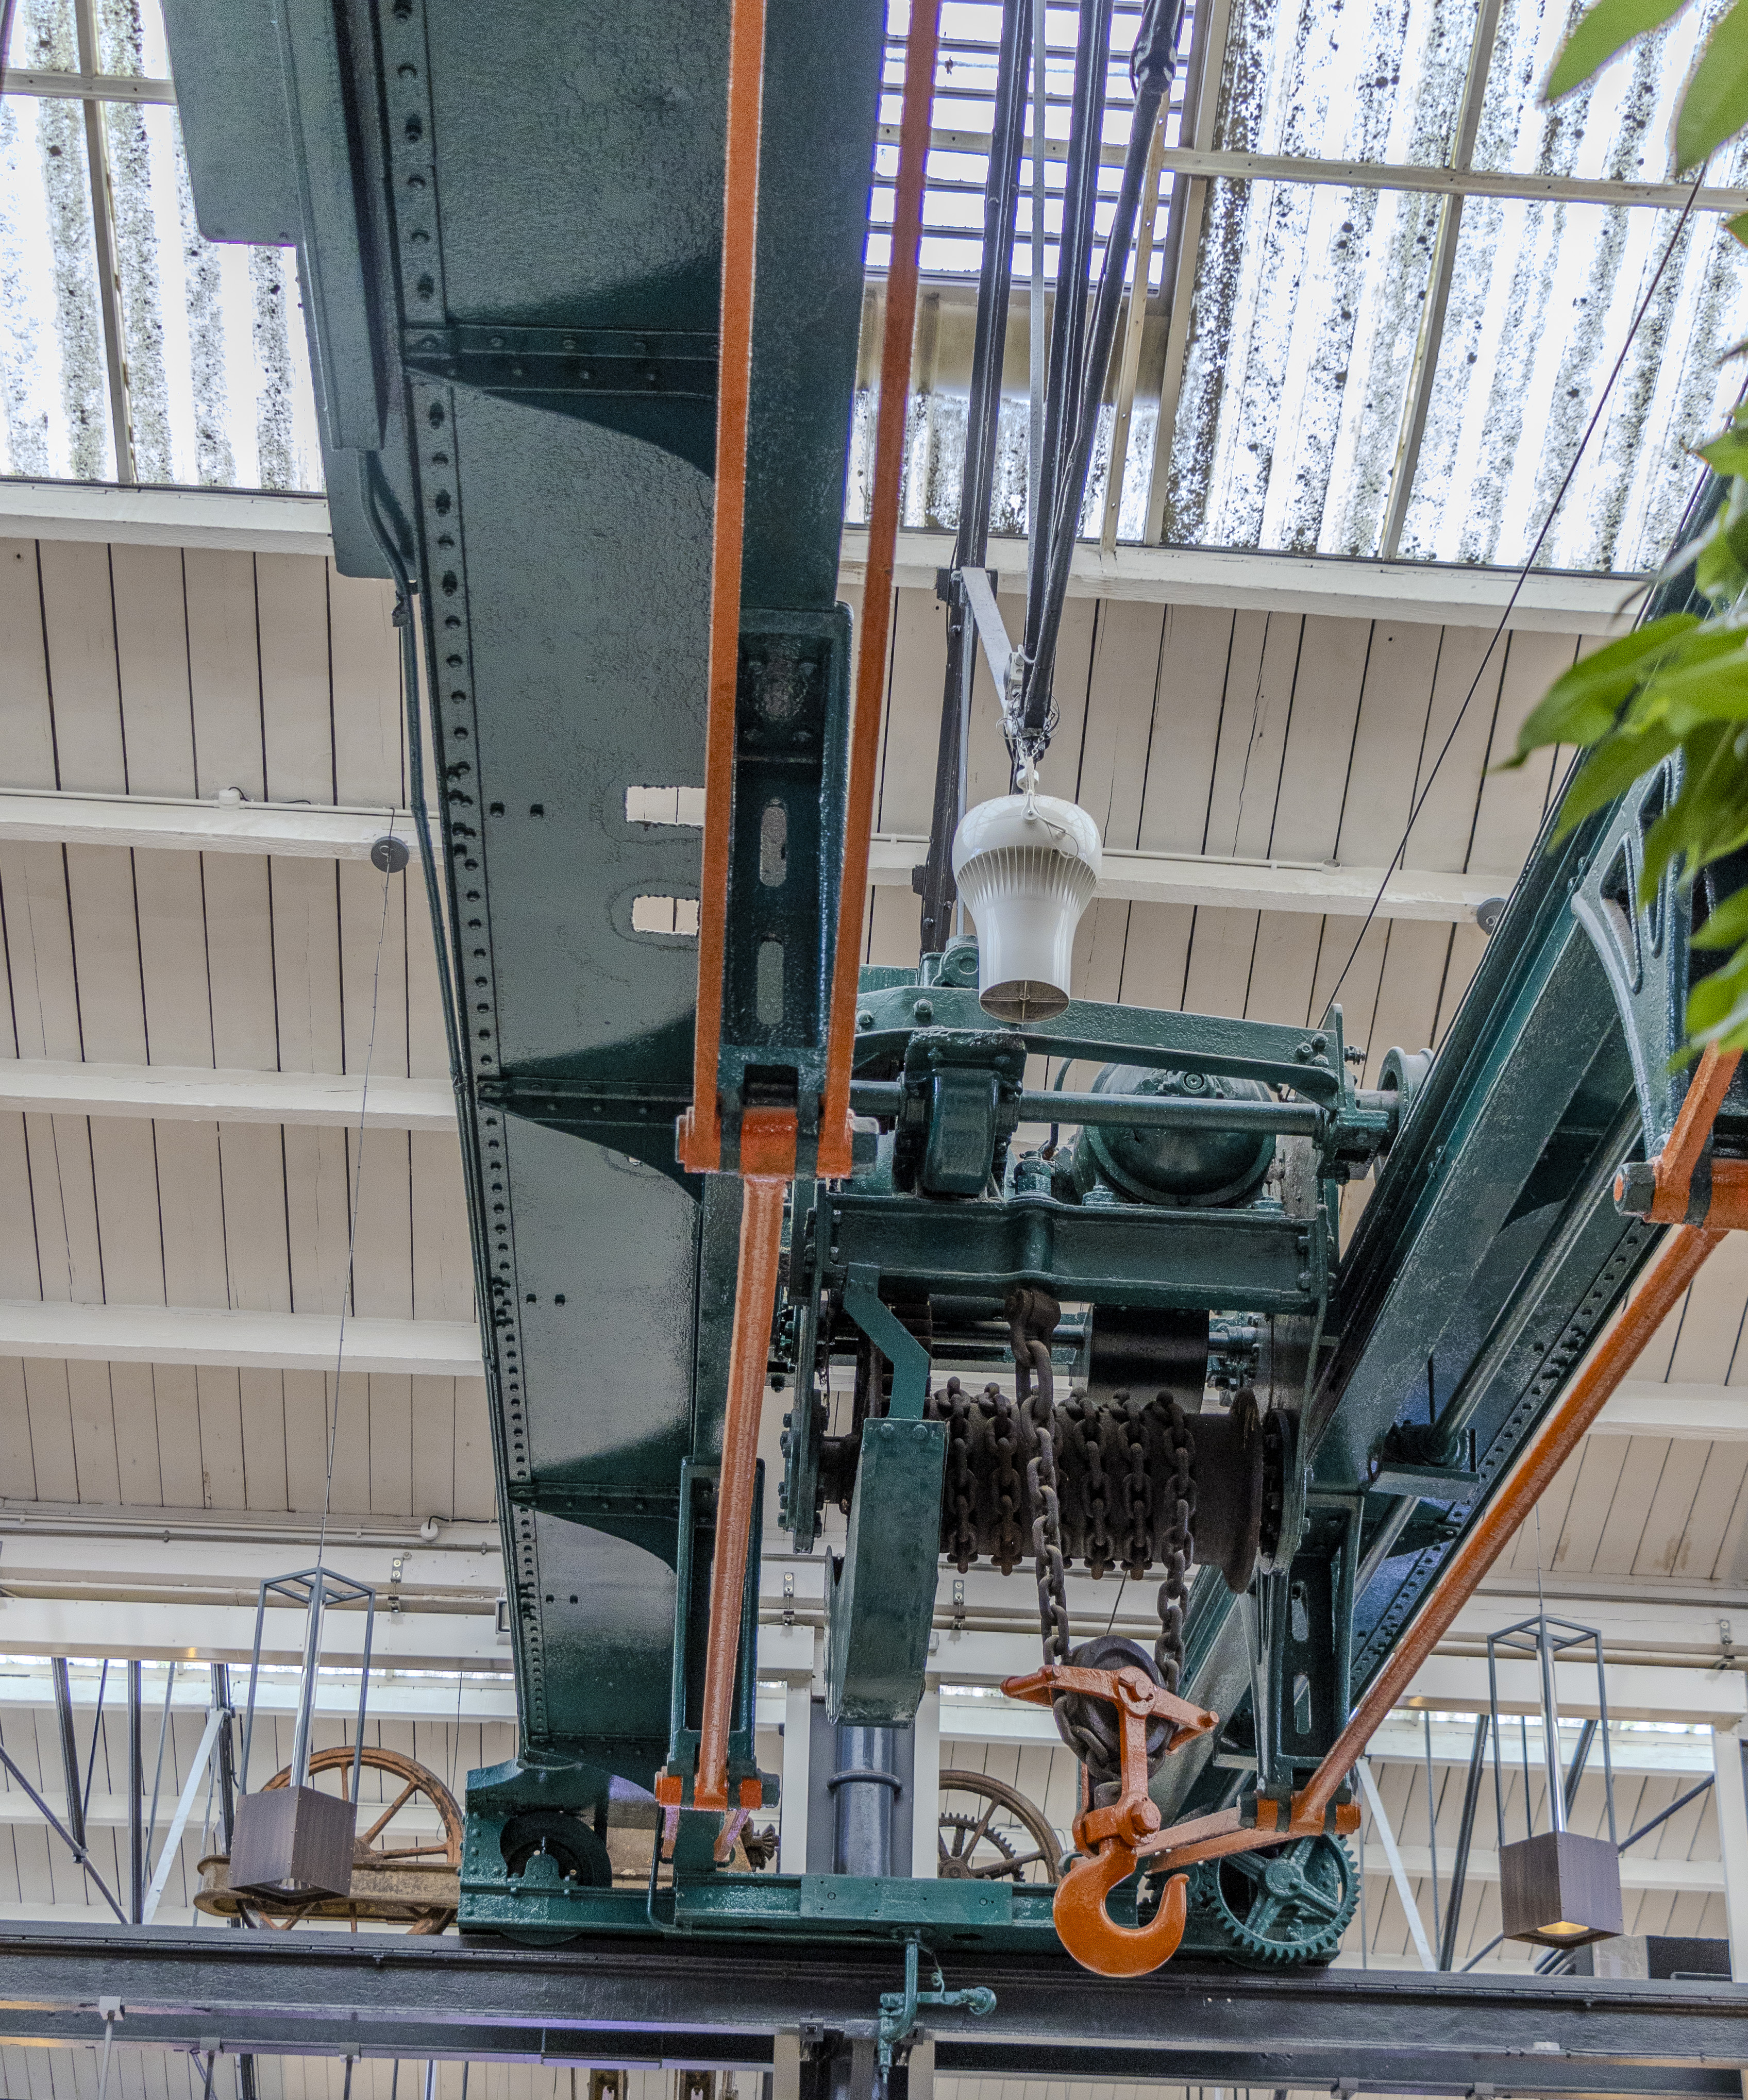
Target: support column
[(792, 1837), (1730, 1791), (786, 2046), (925, 1790)]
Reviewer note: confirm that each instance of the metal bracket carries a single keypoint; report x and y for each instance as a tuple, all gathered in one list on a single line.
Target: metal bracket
[(898, 2009), (669, 361), (908, 1358), (998, 650)]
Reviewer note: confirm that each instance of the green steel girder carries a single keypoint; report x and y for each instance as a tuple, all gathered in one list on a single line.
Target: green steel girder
[(1122, 1255), (511, 251), (510, 247)]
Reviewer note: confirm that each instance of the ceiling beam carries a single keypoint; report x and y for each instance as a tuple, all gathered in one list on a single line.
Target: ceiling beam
[(309, 831), (1449, 182), (140, 823), (259, 1341), (1321, 889), (1690, 1414), (1440, 593), (192, 1093)]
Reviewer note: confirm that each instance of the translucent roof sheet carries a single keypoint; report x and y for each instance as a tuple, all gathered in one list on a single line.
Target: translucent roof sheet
[(211, 337), (1300, 309), (1307, 301)]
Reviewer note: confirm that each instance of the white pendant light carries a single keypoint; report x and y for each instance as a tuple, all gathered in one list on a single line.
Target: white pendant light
[(1026, 865)]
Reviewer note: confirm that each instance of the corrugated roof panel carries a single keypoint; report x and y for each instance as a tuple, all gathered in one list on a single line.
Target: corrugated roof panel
[(1542, 300), (131, 38), (44, 38), (219, 377), (1307, 300), (54, 398)]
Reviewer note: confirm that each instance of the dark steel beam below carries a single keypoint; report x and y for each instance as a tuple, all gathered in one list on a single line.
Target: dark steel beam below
[(694, 2000)]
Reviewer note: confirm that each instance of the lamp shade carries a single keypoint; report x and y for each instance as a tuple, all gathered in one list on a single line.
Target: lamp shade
[(1026, 867), (1559, 1890)]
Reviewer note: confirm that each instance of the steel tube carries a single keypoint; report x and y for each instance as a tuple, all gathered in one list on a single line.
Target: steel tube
[(1447, 1950), (755, 1296), (890, 428), (69, 1752), (136, 1850), (1677, 1261), (862, 1805), (983, 417), (885, 1097)]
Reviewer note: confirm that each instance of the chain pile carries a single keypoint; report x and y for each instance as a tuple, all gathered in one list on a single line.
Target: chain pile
[(1026, 1471)]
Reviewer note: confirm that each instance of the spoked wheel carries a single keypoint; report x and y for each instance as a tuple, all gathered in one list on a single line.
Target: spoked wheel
[(404, 1870), (990, 1832)]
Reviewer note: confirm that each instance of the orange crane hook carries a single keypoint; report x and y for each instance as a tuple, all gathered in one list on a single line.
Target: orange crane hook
[(1110, 1836)]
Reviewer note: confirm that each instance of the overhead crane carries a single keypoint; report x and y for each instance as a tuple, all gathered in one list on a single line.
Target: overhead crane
[(583, 285)]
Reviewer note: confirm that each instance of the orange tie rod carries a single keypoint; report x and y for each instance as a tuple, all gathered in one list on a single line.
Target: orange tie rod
[(768, 1138)]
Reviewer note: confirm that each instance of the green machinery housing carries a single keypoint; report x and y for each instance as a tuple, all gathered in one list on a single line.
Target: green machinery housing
[(508, 239)]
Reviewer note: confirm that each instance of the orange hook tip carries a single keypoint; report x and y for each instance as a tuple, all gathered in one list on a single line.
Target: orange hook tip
[(1085, 1927)]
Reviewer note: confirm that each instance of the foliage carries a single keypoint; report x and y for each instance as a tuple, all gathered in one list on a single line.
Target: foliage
[(1679, 683)]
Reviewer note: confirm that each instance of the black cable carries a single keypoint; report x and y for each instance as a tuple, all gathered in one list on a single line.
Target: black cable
[(1523, 576), (8, 9)]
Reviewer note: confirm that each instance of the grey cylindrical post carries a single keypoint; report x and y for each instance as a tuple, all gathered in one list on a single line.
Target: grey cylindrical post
[(312, 1655), (1556, 1791), (863, 1812)]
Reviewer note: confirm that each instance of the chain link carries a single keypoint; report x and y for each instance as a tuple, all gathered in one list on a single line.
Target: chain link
[(1180, 1515)]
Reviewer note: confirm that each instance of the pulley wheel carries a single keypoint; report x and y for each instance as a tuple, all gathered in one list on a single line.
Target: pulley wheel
[(1091, 1727)]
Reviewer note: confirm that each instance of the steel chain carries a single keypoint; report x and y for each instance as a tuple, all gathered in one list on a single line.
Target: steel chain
[(1180, 1486)]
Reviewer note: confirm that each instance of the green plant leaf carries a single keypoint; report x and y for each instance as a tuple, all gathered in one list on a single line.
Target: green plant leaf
[(1738, 227), (1600, 35), (1728, 1030), (1715, 105), (1727, 925), (1610, 770), (1683, 701), (1728, 452), (1717, 574), (1582, 704)]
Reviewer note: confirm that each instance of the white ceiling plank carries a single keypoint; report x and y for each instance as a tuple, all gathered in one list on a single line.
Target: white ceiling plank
[(208, 1335), (216, 518), (142, 822)]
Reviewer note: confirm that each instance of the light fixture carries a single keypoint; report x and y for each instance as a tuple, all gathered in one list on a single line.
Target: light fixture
[(1025, 866), (1557, 1888)]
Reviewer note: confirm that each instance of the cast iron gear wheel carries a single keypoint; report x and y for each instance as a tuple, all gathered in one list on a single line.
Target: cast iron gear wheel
[(1289, 1904)]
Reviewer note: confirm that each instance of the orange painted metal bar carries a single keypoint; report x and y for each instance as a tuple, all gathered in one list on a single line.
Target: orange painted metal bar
[(1674, 1165), (767, 1141), (701, 1130), (1677, 1261), (915, 121)]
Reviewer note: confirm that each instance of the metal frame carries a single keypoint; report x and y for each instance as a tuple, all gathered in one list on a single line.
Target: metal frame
[(314, 1589), (1425, 369), (707, 2000), (103, 238)]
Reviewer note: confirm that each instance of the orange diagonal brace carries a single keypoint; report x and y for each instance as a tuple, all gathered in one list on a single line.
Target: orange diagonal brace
[(914, 123), (1678, 1261), (701, 1132)]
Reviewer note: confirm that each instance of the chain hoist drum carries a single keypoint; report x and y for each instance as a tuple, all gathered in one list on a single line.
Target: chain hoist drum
[(1184, 1169), (1026, 867), (1135, 1349)]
